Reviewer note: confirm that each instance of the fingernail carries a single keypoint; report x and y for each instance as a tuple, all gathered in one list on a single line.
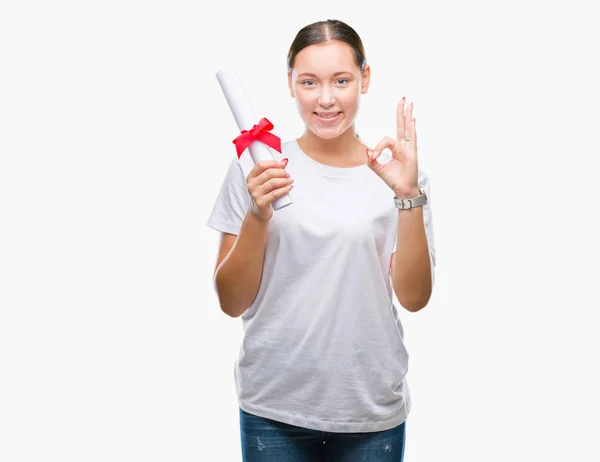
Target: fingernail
[(283, 162)]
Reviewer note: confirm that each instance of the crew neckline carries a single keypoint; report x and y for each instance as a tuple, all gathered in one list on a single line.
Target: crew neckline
[(330, 169)]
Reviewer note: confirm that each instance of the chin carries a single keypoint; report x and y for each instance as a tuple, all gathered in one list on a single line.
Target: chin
[(325, 134), (328, 133)]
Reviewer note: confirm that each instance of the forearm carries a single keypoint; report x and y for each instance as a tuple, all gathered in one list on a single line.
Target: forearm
[(412, 268), (238, 277)]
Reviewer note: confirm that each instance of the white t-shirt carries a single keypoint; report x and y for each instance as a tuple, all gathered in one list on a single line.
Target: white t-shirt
[(323, 345)]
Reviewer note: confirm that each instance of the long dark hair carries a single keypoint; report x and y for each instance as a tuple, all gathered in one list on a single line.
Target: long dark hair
[(325, 31)]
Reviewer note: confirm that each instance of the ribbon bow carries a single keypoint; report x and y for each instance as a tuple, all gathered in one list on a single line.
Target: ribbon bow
[(258, 132)]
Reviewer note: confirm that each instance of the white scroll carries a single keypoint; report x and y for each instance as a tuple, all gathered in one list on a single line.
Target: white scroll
[(246, 118)]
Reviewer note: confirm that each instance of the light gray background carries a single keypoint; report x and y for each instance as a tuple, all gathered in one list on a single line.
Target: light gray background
[(114, 140)]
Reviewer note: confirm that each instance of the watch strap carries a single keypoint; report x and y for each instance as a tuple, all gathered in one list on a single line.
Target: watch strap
[(413, 202)]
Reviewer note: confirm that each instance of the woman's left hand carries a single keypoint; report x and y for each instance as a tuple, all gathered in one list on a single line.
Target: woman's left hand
[(401, 173)]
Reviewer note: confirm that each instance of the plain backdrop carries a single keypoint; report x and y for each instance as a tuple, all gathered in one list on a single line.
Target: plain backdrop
[(115, 138)]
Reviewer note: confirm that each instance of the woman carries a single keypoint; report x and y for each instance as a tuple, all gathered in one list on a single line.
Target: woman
[(322, 368)]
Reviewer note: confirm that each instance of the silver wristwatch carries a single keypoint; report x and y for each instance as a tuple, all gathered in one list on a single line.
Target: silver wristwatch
[(411, 203)]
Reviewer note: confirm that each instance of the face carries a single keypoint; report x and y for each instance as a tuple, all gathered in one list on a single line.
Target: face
[(325, 82)]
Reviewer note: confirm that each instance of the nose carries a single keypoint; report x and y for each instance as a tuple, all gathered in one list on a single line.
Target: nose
[(326, 98)]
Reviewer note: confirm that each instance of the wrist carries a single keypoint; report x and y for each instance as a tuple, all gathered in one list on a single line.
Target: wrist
[(256, 218), (407, 193)]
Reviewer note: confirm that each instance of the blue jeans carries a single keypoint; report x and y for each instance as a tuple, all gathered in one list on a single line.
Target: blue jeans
[(266, 440)]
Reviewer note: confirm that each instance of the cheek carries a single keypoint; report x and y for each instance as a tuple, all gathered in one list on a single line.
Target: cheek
[(305, 100), (347, 103), (303, 106)]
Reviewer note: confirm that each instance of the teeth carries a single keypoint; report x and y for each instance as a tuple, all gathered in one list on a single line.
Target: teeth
[(328, 117)]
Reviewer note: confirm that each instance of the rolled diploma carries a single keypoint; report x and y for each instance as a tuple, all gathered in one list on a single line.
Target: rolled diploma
[(246, 118)]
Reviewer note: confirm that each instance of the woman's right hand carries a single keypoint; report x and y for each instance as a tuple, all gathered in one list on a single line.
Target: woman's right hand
[(267, 181)]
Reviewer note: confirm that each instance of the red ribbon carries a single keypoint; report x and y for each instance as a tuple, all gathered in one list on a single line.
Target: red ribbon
[(258, 132)]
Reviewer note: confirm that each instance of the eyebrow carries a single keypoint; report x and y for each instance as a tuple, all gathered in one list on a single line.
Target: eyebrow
[(308, 74)]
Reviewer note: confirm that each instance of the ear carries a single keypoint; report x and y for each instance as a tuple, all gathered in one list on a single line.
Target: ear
[(290, 85), (366, 79)]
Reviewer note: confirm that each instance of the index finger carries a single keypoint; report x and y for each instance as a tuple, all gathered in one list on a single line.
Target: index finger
[(263, 165), (400, 119)]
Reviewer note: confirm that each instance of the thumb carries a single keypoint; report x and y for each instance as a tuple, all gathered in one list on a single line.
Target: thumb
[(371, 156), (372, 161)]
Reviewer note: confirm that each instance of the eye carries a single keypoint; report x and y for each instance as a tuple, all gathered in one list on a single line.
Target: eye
[(343, 79), (306, 82)]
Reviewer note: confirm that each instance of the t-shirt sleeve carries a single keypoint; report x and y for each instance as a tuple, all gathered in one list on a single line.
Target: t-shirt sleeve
[(233, 200), (428, 221)]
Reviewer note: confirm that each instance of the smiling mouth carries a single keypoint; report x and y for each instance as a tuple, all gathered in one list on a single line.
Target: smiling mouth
[(324, 116)]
